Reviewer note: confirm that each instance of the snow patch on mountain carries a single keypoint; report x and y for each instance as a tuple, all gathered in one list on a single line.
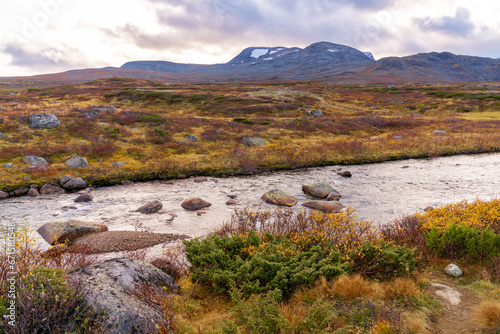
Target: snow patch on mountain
[(369, 55), (259, 52)]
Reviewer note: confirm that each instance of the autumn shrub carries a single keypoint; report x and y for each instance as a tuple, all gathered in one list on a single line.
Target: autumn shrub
[(463, 241), (487, 315), (406, 231)]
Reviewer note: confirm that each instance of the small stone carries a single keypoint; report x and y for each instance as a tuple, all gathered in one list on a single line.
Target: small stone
[(76, 162), (150, 207), (398, 137), (195, 203), (118, 164), (440, 132), (317, 113), (254, 141), (231, 202), (232, 196), (170, 182), (3, 195), (3, 135), (50, 189), (279, 197), (375, 138), (192, 138), (199, 213), (9, 165), (33, 192), (345, 173), (84, 198), (453, 270), (200, 179)]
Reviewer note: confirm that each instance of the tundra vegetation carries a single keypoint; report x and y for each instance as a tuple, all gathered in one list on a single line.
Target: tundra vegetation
[(286, 272), (148, 128), (263, 272)]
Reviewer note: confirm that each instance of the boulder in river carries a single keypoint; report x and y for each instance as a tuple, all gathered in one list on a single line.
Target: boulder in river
[(84, 198), (195, 203), (345, 173), (150, 207), (61, 232), (33, 192), (321, 190), (279, 197), (113, 289), (325, 206), (44, 121), (76, 162), (50, 188)]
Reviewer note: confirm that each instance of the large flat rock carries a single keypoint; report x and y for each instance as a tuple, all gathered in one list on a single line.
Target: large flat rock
[(60, 232)]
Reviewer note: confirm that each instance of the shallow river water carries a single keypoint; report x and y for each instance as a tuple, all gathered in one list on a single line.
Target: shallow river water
[(378, 192)]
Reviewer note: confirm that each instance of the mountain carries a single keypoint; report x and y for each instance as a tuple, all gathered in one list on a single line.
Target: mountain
[(322, 61)]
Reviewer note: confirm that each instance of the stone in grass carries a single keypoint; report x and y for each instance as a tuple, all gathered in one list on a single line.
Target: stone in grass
[(325, 206), (453, 270), (321, 190), (76, 162), (61, 232), (150, 207), (195, 203), (113, 289), (192, 138), (254, 141), (279, 197), (118, 164), (33, 160), (44, 121)]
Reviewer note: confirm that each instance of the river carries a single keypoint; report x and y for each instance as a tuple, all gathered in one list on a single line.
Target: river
[(379, 192)]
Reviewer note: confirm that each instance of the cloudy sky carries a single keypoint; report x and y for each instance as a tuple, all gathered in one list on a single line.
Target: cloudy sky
[(43, 36)]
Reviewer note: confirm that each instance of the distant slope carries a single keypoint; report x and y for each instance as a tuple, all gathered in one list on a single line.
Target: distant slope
[(322, 61)]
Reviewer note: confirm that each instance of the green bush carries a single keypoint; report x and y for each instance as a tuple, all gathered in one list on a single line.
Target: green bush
[(382, 260), (463, 241), (258, 265)]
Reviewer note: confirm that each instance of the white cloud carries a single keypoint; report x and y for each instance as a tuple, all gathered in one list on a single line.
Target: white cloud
[(55, 35)]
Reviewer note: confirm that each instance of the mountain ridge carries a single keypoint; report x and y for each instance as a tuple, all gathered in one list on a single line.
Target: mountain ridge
[(322, 61)]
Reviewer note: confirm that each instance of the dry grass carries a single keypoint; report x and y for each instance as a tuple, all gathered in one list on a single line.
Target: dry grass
[(488, 315), (400, 288), (354, 286)]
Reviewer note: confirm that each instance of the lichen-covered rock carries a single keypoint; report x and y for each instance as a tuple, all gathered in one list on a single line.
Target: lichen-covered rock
[(321, 190), (76, 162), (31, 159), (113, 289), (44, 121), (61, 232), (50, 189), (453, 270), (279, 197), (254, 141), (150, 207), (33, 192), (195, 203), (75, 184), (325, 206)]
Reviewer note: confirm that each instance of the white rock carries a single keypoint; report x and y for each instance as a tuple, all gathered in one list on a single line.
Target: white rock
[(453, 270), (447, 293)]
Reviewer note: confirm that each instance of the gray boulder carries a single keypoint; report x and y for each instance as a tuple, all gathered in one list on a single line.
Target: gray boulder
[(33, 192), (113, 289), (191, 138), (76, 162), (44, 121), (65, 179), (9, 165), (254, 141), (61, 232), (3, 195), (453, 270), (317, 113), (118, 164), (31, 159), (75, 184)]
